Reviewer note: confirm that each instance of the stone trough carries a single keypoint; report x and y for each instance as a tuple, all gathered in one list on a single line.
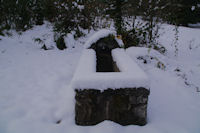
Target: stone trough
[(109, 85)]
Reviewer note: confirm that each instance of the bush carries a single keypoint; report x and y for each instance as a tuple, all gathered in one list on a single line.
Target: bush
[(60, 43)]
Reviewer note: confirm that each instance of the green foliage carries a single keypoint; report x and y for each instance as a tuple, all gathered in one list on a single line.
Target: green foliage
[(130, 38)]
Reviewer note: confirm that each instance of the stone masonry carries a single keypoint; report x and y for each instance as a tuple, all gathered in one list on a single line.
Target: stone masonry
[(125, 106)]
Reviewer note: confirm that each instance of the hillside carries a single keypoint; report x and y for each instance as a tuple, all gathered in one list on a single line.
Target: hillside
[(35, 92)]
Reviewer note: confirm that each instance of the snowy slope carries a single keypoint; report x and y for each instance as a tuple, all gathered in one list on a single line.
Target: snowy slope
[(35, 91), (173, 105)]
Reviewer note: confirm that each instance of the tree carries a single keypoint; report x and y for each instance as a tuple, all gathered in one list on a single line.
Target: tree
[(74, 16), (114, 8), (182, 12)]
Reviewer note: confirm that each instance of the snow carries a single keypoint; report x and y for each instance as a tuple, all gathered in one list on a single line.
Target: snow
[(197, 25), (126, 64), (87, 63), (101, 34), (130, 75), (36, 91)]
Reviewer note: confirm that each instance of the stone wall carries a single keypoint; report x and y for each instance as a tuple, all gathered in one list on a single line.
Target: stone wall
[(125, 106)]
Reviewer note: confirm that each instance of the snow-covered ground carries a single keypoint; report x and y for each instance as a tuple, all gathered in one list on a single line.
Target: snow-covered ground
[(35, 91)]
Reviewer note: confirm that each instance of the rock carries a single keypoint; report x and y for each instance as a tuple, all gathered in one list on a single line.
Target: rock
[(58, 122), (125, 106), (44, 47)]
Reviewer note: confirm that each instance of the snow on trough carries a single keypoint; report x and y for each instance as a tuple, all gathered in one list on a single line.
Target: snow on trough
[(101, 34), (130, 74)]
